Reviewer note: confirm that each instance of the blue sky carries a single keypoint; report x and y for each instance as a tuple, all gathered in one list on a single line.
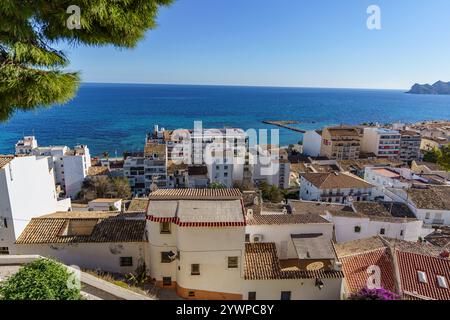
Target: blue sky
[(304, 43)]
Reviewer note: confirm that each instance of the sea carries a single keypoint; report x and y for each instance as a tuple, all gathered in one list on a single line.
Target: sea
[(115, 118)]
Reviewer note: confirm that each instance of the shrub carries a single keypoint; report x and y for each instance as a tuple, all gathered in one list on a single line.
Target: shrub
[(43, 279), (374, 294)]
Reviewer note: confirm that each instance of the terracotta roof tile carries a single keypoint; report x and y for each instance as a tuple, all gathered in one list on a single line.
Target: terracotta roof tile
[(280, 219), (355, 268), (105, 229), (261, 263), (409, 265), (334, 180), (433, 198), (4, 160), (195, 194)]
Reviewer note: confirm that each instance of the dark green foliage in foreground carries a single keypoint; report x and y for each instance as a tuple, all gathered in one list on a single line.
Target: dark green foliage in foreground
[(42, 279), (32, 72)]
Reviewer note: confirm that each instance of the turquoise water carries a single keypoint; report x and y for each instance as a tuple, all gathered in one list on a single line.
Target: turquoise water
[(116, 117)]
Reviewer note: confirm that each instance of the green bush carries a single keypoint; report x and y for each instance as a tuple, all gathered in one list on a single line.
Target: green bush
[(42, 279)]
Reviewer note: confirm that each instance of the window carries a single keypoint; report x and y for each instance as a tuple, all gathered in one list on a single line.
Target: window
[(252, 295), (427, 215), (166, 257), (178, 254), (5, 223), (401, 232), (442, 282), (357, 229), (422, 276), (233, 262), (191, 294), (164, 227), (285, 295), (167, 281), (382, 231), (247, 237), (195, 269), (126, 261)]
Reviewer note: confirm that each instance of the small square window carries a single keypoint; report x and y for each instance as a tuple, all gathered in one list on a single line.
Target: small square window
[(233, 262), (164, 227), (195, 269), (166, 256), (191, 294), (357, 229), (247, 237), (252, 295), (167, 281), (285, 295), (382, 231), (126, 261)]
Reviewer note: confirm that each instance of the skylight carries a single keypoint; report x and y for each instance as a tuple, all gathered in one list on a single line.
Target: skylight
[(422, 276), (442, 282)]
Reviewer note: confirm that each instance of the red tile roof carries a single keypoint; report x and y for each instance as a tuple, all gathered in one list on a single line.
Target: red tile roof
[(261, 262), (410, 263), (195, 194), (355, 269)]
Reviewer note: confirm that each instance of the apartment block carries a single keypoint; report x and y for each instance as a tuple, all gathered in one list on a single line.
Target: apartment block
[(384, 143), (341, 143), (70, 166), (409, 146)]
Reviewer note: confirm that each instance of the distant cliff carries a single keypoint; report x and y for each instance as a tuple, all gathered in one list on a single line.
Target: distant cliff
[(439, 87)]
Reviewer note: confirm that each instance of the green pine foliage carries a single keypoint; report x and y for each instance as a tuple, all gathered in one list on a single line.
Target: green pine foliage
[(32, 72), (42, 279)]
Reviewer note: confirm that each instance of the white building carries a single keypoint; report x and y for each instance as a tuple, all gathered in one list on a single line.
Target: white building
[(196, 241), (70, 166), (336, 187), (27, 190), (387, 177), (289, 255), (147, 170), (105, 204), (384, 143), (368, 219), (312, 142), (271, 165), (430, 204), (90, 240)]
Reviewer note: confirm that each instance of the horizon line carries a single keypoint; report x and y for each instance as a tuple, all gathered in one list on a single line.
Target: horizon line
[(239, 85)]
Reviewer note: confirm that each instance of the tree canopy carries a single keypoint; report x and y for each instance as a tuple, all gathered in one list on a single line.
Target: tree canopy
[(32, 71), (41, 279), (104, 187), (439, 156)]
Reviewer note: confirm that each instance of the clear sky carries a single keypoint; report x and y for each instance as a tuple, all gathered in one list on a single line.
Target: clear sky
[(305, 43)]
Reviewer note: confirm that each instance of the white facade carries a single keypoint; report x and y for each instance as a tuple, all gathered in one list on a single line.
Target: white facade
[(27, 190), (299, 289), (93, 256), (349, 228), (205, 246), (312, 142), (310, 192), (280, 234), (271, 166), (429, 216), (105, 205), (70, 167), (384, 143)]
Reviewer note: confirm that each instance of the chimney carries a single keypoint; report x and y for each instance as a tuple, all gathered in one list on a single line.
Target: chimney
[(444, 254)]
